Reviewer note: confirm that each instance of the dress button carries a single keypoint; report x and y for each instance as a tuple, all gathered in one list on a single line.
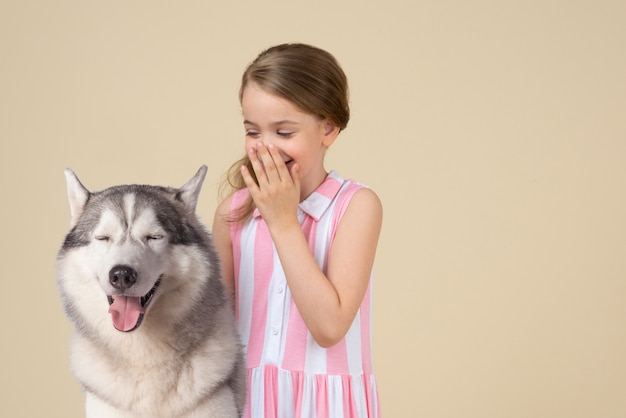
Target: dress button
[(275, 331), (281, 289)]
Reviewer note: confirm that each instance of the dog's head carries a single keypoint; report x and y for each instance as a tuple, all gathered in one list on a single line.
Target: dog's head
[(125, 242)]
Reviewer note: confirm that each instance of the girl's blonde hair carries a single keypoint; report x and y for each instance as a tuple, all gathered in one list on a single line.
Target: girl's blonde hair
[(307, 76)]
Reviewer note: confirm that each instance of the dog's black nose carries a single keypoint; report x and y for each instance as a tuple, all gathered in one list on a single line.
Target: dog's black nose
[(122, 277)]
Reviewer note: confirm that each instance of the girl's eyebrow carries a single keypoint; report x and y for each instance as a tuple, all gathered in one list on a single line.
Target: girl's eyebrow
[(286, 122), (280, 122)]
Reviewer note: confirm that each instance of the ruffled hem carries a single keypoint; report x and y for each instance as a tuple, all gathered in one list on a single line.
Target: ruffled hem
[(278, 393)]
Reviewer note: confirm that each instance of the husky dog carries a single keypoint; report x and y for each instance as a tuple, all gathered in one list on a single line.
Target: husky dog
[(139, 278)]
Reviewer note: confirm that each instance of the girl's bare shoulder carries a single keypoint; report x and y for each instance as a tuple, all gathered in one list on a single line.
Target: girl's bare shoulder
[(365, 207), (366, 198), (224, 207)]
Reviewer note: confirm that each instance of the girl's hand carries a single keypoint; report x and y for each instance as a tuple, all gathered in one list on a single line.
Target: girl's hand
[(277, 193)]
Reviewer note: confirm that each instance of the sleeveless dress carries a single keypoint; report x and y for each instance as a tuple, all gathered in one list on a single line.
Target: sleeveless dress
[(288, 374)]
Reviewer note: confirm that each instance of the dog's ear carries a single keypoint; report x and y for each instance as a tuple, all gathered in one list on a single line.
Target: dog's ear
[(188, 194), (77, 194)]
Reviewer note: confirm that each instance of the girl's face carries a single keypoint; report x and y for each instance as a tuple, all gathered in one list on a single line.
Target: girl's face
[(299, 136)]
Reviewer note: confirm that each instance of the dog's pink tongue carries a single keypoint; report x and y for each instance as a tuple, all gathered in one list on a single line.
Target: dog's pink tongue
[(125, 311)]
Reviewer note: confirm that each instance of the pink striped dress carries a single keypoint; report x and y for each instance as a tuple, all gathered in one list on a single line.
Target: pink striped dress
[(289, 374)]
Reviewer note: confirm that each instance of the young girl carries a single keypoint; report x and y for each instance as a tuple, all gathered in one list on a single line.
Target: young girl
[(297, 244)]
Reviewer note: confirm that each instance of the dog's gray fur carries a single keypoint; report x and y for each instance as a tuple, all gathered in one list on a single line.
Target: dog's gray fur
[(181, 357)]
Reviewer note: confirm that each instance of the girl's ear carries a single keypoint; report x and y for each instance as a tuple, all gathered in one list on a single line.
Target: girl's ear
[(330, 133)]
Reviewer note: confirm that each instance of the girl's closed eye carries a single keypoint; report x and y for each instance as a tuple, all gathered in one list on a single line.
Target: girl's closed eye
[(285, 134), (252, 133)]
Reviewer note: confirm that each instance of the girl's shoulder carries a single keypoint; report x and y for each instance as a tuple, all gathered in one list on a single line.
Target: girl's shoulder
[(223, 208), (233, 200), (359, 203), (364, 197), (238, 197), (359, 194), (235, 209)]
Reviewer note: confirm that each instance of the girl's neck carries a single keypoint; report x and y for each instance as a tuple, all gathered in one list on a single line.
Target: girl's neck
[(308, 186)]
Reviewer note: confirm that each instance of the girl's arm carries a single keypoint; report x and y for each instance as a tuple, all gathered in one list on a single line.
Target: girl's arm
[(328, 303), (223, 245)]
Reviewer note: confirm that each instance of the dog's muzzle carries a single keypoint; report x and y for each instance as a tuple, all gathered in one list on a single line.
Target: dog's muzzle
[(127, 312)]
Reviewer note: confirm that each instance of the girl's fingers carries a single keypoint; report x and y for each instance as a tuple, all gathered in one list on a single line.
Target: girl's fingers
[(295, 175), (281, 169), (275, 192), (248, 179), (271, 163), (257, 166)]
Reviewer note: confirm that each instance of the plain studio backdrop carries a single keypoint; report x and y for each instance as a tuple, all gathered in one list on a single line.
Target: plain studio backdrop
[(493, 131)]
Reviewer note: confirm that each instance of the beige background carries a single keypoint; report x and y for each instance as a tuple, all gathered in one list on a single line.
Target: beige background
[(494, 132)]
